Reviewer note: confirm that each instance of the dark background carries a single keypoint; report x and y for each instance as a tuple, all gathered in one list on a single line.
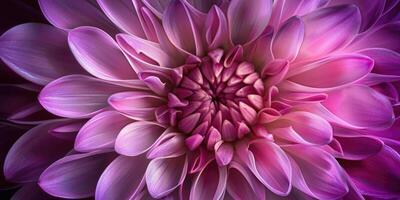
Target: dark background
[(12, 13)]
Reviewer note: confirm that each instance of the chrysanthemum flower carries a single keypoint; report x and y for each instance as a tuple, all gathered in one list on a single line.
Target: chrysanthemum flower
[(206, 99)]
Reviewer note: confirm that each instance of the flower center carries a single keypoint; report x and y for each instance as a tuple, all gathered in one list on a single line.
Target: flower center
[(216, 100)]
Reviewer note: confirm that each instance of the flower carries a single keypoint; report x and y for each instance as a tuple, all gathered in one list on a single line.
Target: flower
[(211, 99)]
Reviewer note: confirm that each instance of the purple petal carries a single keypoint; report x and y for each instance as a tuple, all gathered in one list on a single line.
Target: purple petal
[(242, 184), (168, 145), (328, 29), (99, 54), (172, 172), (217, 28), (76, 96), (100, 131), (33, 152), (123, 14), (65, 14), (38, 52), (247, 20), (31, 191), (224, 153), (354, 147), (137, 137), (288, 40), (209, 183), (157, 6), (83, 170), (122, 179)]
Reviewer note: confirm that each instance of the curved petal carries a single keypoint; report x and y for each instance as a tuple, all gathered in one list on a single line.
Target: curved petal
[(361, 106), (332, 72), (122, 179), (31, 191), (137, 137), (35, 151), (386, 61), (302, 127), (288, 40), (66, 14), (216, 33), (247, 20), (377, 175), (269, 164), (38, 52), (99, 54), (75, 176), (76, 96), (137, 105), (209, 183), (168, 145), (157, 6), (316, 172), (123, 14), (328, 29), (354, 147), (181, 28), (100, 131), (172, 172), (242, 184)]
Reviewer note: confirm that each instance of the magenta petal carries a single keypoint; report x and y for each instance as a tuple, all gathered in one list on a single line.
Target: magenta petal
[(137, 137), (209, 183), (377, 175), (100, 131), (216, 28), (247, 20), (168, 145), (172, 172), (223, 153), (122, 179), (123, 14), (76, 96), (33, 152), (354, 147), (288, 40), (385, 61), (242, 184), (62, 177), (269, 164), (328, 29), (157, 6), (38, 52), (361, 106), (316, 172), (65, 14), (107, 62)]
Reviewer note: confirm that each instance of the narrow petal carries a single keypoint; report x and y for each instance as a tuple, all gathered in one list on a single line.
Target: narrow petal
[(288, 40), (316, 172), (62, 177), (137, 105), (242, 184), (65, 14), (353, 147), (122, 179), (100, 131), (217, 28), (247, 20), (379, 180), (172, 172), (168, 145), (76, 96), (107, 62), (328, 29), (123, 14), (209, 183), (269, 164), (361, 106), (33, 152), (137, 137), (38, 52)]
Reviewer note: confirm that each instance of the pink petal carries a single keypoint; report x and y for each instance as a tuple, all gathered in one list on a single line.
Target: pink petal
[(269, 164), (107, 62), (354, 147), (242, 184), (62, 177), (76, 96), (361, 106), (122, 179), (157, 6), (123, 14), (223, 153), (68, 15), (137, 105), (328, 29), (168, 145), (248, 113), (100, 131), (172, 172), (316, 172), (217, 28), (35, 151), (38, 52), (137, 137), (209, 183), (288, 40), (247, 20)]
